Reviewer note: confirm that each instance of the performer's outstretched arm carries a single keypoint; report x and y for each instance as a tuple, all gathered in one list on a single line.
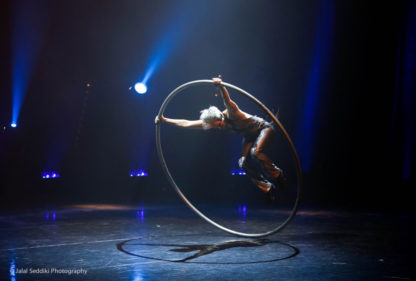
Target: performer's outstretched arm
[(183, 123), (229, 104), (233, 111)]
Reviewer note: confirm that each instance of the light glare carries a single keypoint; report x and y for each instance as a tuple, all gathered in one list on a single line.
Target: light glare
[(140, 88)]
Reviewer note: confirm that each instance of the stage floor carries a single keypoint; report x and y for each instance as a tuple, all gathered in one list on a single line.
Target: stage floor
[(114, 242)]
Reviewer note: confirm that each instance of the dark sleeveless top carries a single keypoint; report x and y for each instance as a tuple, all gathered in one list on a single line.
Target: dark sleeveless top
[(248, 128)]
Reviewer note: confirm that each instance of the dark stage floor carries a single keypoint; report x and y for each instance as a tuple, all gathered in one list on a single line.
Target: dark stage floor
[(108, 242)]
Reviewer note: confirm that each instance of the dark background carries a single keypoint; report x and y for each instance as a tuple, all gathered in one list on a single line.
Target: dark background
[(94, 135)]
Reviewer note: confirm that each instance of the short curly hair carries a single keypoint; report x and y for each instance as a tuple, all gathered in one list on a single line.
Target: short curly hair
[(210, 115)]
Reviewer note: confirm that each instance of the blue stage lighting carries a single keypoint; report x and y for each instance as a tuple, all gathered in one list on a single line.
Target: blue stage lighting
[(242, 210), (177, 25), (13, 125), (53, 216), (27, 33), (306, 136), (12, 270), (50, 175), (140, 215), (238, 172), (138, 173), (140, 88)]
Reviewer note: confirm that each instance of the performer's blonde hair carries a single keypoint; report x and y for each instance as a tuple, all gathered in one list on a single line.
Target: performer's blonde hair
[(210, 115)]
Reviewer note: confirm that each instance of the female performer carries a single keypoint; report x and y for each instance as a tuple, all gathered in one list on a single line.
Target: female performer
[(257, 135)]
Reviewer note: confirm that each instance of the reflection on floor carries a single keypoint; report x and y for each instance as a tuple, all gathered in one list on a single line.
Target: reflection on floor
[(111, 242)]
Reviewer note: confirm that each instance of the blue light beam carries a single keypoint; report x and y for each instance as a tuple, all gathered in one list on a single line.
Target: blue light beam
[(175, 31), (305, 138), (27, 23)]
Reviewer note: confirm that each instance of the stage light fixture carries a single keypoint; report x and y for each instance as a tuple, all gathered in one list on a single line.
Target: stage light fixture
[(13, 125), (50, 175), (238, 172), (140, 88), (138, 173)]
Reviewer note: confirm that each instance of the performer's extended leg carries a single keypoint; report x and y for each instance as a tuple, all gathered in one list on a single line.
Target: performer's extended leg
[(270, 171), (255, 176)]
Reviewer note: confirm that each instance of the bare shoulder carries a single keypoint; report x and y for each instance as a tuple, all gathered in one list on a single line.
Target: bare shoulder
[(236, 114)]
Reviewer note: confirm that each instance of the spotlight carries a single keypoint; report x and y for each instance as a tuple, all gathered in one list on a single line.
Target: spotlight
[(138, 173), (50, 175), (238, 172), (13, 125), (140, 88)]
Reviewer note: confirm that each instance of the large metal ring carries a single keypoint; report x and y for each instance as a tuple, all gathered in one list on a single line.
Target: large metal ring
[(279, 125)]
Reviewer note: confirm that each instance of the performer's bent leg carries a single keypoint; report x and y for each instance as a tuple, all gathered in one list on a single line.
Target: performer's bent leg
[(255, 176), (270, 170), (243, 161)]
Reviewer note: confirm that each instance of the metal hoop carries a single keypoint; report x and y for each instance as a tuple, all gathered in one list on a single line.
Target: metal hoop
[(177, 189)]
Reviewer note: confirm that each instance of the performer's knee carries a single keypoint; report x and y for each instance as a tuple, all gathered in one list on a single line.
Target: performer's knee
[(255, 153)]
